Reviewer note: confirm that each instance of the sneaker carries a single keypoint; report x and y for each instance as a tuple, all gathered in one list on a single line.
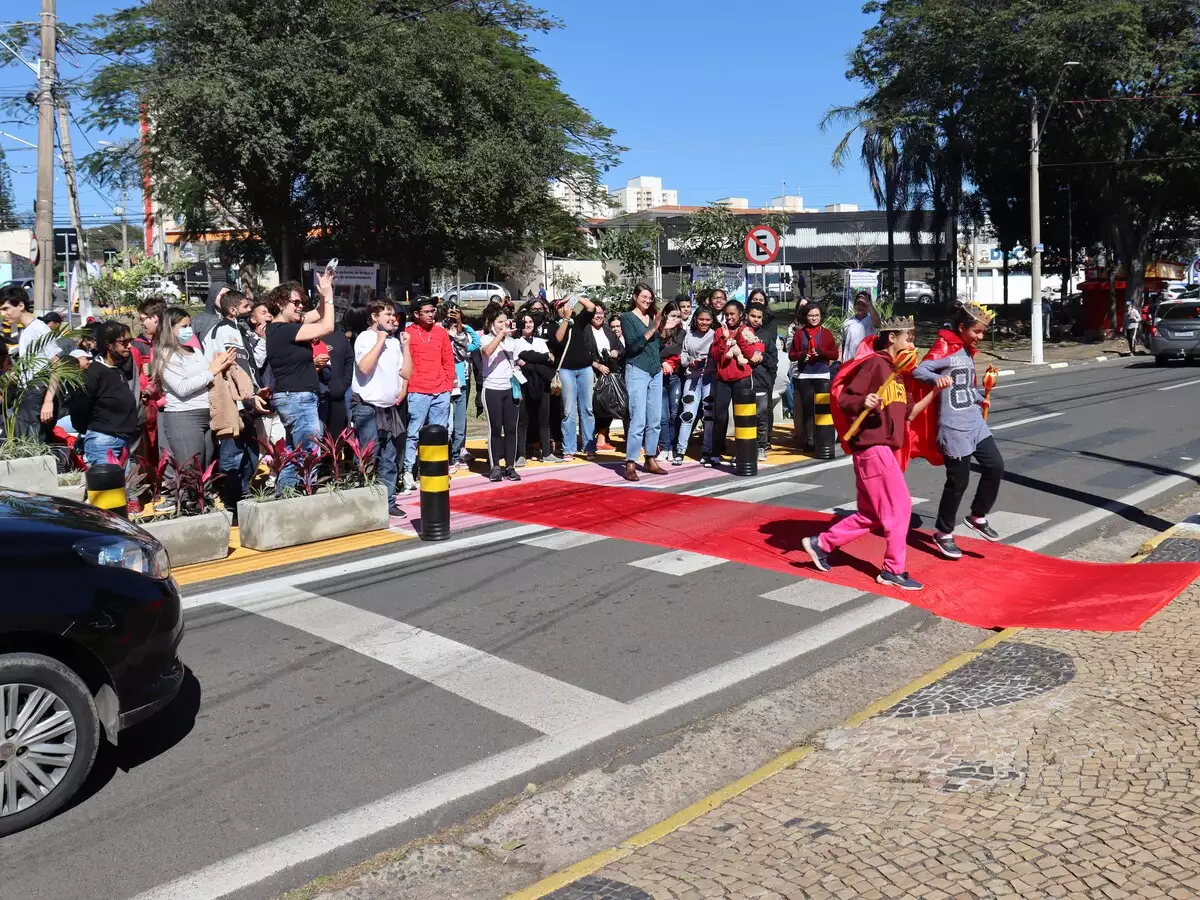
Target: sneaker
[(553, 458), (706, 461), (903, 581), (396, 512), (464, 458), (762, 455), (605, 446), (677, 459), (496, 474), (410, 483), (568, 457), (520, 462), (982, 528), (819, 557), (946, 546), (453, 468), (510, 474)]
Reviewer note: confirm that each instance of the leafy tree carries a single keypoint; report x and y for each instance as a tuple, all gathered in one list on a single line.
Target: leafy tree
[(635, 248), (713, 235), (416, 134), (8, 211)]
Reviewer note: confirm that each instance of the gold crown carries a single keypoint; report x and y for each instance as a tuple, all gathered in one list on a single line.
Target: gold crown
[(898, 323), (979, 312)]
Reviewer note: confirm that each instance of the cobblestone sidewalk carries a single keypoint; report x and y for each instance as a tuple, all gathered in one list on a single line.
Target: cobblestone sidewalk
[(1055, 764)]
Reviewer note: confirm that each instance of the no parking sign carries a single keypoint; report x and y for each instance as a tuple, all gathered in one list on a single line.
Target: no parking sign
[(761, 245)]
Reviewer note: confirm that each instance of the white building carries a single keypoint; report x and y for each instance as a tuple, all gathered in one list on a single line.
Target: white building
[(841, 208), (644, 192), (734, 202), (788, 203), (591, 202)]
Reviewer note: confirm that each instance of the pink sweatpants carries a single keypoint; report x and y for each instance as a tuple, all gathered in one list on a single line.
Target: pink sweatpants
[(883, 500)]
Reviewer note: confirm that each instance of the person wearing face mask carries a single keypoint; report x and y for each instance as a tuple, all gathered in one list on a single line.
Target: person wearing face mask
[(184, 375), (672, 334), (536, 364), (104, 409), (698, 369)]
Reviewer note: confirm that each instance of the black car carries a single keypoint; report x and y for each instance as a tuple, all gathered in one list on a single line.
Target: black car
[(90, 621)]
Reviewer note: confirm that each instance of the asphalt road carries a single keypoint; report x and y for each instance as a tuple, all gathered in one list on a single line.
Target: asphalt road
[(346, 706)]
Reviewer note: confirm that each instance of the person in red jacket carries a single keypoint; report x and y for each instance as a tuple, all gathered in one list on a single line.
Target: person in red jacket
[(879, 448), (813, 349), (433, 377), (735, 349)]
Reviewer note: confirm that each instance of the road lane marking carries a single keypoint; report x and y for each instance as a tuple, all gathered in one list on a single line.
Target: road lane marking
[(543, 703), (809, 593), (246, 869), (563, 540), (1006, 373), (1006, 523), (1058, 365), (678, 562), (769, 492), (1001, 384), (1172, 387)]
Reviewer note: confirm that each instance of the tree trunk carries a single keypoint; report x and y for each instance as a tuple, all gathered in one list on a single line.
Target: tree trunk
[(891, 227), (1110, 259)]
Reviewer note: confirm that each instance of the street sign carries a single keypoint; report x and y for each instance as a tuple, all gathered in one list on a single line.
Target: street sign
[(66, 242), (761, 245)]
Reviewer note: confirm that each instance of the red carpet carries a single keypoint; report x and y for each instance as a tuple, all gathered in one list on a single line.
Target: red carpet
[(994, 585)]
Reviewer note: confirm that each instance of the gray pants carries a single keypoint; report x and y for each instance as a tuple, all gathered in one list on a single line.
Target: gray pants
[(186, 435)]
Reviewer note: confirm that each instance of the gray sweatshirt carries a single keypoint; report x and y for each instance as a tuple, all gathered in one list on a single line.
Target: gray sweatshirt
[(960, 424)]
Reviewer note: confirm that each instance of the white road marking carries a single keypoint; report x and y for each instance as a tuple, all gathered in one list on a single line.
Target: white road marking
[(769, 492), (1005, 373), (243, 870), (678, 562), (1058, 365), (563, 540), (852, 506), (809, 593), (1020, 422), (1001, 384), (1006, 523), (531, 698), (1172, 387)]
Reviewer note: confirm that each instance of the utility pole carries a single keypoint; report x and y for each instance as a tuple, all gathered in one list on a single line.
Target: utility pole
[(43, 275), (124, 227), (1035, 239), (64, 138)]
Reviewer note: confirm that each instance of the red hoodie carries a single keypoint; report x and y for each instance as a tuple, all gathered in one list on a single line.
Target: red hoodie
[(731, 369), (925, 428)]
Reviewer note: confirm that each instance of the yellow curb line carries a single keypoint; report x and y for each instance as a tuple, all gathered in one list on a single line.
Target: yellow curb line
[(785, 760), (1151, 544)]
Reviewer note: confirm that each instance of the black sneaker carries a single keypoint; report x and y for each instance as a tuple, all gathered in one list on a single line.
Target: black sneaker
[(510, 474), (396, 512), (982, 528), (706, 461), (819, 557), (496, 474), (946, 546), (903, 581)]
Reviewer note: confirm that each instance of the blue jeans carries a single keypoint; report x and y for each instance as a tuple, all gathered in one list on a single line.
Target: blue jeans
[(577, 404), (424, 409), (645, 412), (302, 425), (238, 461), (458, 434), (96, 446), (692, 411), (668, 429), (387, 446), (789, 398)]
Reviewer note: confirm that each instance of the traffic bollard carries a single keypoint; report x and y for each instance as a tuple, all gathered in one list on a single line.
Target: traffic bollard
[(106, 489), (745, 433), (433, 465), (824, 432)]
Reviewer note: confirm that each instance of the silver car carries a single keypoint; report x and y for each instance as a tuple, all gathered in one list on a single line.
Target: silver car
[(1176, 333), (918, 292), (478, 292)]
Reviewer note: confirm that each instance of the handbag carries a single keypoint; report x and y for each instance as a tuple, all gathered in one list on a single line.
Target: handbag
[(556, 381)]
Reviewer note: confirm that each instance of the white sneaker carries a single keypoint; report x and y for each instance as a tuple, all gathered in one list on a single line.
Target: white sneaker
[(410, 483), (453, 468)]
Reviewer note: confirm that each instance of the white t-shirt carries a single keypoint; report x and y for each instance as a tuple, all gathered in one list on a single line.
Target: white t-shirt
[(1133, 317), (498, 368), (536, 344), (30, 335), (854, 332), (601, 337), (382, 386)]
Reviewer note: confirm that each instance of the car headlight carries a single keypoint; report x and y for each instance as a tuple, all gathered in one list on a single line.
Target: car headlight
[(123, 553)]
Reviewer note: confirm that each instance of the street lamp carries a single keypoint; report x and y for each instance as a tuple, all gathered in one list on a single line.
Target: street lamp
[(1035, 217)]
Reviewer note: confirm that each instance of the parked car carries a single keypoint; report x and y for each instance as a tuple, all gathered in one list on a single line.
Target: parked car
[(477, 292), (1176, 332), (918, 292), (157, 286), (90, 622)]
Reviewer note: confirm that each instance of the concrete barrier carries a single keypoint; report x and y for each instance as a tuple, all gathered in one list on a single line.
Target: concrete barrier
[(193, 539), (35, 474), (302, 520)]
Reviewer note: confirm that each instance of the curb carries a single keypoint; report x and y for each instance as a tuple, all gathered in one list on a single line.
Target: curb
[(1190, 527)]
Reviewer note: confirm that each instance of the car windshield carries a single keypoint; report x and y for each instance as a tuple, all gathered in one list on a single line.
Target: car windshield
[(1182, 311)]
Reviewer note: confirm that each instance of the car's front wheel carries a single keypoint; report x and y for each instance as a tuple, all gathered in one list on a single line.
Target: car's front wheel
[(49, 735)]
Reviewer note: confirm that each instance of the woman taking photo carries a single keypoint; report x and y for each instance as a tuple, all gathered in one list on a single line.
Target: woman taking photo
[(673, 330), (501, 391), (643, 381), (536, 363), (813, 349), (183, 375), (697, 368)]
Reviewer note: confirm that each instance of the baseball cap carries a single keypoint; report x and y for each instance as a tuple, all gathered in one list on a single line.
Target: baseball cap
[(80, 354)]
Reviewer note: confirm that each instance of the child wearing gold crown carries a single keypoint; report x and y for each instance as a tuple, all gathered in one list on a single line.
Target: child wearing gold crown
[(962, 432)]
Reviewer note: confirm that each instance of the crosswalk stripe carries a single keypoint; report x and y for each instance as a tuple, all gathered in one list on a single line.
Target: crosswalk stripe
[(769, 491), (543, 703), (809, 593), (563, 540), (678, 562), (1007, 524), (852, 506)]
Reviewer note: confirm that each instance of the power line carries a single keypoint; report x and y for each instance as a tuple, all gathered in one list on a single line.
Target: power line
[(1122, 162)]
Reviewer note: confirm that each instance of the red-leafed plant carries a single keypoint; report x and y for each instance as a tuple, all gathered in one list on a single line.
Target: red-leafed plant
[(276, 457), (366, 464), (192, 485), (308, 464)]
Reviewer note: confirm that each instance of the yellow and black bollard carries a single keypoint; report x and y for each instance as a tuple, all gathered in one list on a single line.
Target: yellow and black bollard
[(106, 489), (745, 433), (824, 433), (433, 465)]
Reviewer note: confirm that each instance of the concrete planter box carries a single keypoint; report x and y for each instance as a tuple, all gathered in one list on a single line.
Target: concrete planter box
[(302, 520), (77, 491), (37, 475), (193, 539)]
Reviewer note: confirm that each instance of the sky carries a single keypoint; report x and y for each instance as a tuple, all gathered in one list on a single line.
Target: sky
[(718, 99)]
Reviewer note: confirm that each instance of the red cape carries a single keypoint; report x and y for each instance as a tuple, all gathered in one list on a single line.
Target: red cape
[(924, 430), (842, 422)]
